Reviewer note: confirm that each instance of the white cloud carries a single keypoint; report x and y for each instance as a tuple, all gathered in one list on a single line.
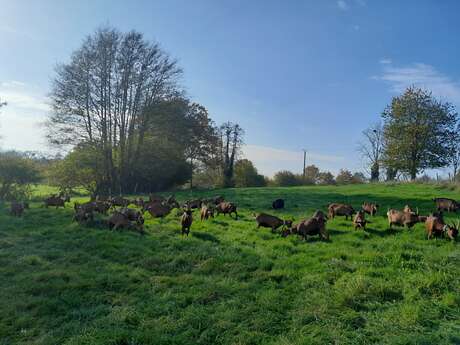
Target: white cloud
[(21, 120), (342, 5), (385, 61), (20, 95), (421, 75), (269, 160)]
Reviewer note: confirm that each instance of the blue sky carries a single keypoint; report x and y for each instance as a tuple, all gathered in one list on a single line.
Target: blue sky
[(294, 74)]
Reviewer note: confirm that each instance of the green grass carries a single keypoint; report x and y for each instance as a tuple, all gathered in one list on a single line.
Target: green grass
[(229, 283)]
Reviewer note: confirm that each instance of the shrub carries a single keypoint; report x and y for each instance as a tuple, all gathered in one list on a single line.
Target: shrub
[(246, 175), (286, 179), (325, 178), (17, 173)]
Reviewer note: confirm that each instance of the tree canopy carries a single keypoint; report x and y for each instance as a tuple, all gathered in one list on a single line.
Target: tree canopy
[(416, 126)]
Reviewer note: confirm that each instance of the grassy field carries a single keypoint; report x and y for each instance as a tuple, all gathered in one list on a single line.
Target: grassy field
[(229, 283)]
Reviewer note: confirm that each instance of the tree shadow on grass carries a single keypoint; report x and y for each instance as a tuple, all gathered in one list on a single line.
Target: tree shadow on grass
[(205, 237), (219, 222), (384, 233)]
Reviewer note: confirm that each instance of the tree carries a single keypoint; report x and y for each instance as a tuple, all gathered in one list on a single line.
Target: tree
[(201, 137), (105, 97), (344, 177), (358, 177), (17, 173), (231, 140), (311, 174), (453, 139), (2, 104), (286, 179), (82, 167), (371, 149), (415, 128), (325, 178), (246, 175)]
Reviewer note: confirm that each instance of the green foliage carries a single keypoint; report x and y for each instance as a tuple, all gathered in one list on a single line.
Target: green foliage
[(326, 178), (17, 173), (286, 179), (228, 282), (80, 168), (346, 177), (246, 175), (311, 174), (416, 126)]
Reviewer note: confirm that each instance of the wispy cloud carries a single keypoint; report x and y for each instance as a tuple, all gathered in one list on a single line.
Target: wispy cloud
[(270, 160), (385, 61), (421, 75), (341, 4), (20, 95), (21, 120)]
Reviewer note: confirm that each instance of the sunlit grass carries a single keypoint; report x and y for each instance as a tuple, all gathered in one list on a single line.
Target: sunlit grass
[(229, 283)]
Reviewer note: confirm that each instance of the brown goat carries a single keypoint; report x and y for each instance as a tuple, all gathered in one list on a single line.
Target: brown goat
[(120, 220), (370, 208), (227, 208), (83, 216), (435, 227), (17, 208), (55, 201), (400, 218), (206, 212), (158, 210), (269, 221), (311, 227), (360, 220), (336, 209), (186, 221)]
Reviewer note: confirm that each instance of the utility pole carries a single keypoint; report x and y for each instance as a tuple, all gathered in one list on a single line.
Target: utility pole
[(304, 162)]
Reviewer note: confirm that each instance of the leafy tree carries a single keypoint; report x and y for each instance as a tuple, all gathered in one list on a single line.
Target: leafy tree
[(17, 173), (80, 168), (358, 177), (201, 137), (286, 179), (371, 149), (311, 174), (246, 175), (344, 177), (325, 178), (415, 129)]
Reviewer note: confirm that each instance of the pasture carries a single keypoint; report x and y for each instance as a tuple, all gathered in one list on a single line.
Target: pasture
[(228, 282)]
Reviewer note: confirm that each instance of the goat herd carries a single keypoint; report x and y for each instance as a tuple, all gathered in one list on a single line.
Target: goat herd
[(123, 216)]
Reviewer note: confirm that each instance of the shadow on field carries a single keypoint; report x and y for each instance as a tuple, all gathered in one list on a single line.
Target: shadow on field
[(385, 233), (205, 237), (219, 222)]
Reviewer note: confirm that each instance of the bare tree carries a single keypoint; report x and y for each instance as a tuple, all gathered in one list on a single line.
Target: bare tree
[(453, 138), (231, 141), (103, 97), (371, 149)]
